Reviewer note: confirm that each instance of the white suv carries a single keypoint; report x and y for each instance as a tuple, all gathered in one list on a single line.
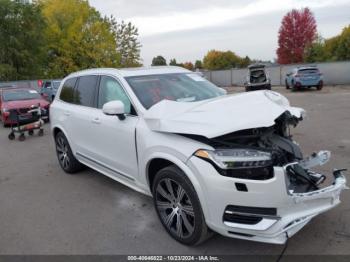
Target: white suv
[(212, 162)]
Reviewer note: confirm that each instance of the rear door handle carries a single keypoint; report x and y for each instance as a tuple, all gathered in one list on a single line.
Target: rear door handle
[(96, 120), (67, 113)]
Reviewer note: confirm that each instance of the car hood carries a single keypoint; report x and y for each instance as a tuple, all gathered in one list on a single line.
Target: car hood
[(219, 116), (24, 103)]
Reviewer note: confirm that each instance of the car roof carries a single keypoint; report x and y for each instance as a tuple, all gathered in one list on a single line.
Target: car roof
[(135, 71)]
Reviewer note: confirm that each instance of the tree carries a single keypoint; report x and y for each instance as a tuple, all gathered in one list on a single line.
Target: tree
[(188, 65), (298, 30), (77, 37), (173, 62), (128, 44), (338, 48), (315, 52), (332, 49), (22, 46), (244, 62), (198, 64), (216, 60), (158, 61)]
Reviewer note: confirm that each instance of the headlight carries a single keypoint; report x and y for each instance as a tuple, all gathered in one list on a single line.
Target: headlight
[(236, 158), (277, 98)]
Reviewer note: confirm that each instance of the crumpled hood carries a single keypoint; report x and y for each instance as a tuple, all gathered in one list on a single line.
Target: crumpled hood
[(219, 116)]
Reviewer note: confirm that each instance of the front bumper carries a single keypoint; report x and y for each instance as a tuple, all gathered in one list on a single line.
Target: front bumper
[(293, 210)]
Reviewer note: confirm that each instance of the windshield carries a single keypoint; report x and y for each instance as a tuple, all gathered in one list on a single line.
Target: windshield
[(15, 95), (188, 87)]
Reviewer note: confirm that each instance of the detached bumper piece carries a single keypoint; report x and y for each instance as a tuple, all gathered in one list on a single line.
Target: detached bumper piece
[(275, 225)]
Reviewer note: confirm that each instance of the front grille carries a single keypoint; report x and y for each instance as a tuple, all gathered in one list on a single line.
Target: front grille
[(23, 110)]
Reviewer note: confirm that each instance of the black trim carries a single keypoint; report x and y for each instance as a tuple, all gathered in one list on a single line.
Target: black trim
[(104, 166), (242, 219), (241, 234), (267, 211)]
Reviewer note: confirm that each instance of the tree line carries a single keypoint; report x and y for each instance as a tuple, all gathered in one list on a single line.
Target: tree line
[(52, 38), (213, 60)]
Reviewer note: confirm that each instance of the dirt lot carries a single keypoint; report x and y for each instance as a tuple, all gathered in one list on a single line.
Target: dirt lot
[(45, 211)]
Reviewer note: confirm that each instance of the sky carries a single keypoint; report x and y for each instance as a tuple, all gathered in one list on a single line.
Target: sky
[(188, 29)]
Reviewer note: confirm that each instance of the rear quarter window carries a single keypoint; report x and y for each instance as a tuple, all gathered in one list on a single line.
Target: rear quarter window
[(67, 92)]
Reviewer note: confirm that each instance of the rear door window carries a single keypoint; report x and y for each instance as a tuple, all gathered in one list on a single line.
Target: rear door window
[(67, 92), (86, 90)]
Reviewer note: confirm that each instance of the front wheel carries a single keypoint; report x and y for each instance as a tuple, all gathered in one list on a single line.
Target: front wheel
[(65, 156), (178, 206)]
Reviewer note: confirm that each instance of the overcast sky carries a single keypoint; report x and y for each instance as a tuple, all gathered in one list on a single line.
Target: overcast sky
[(187, 29)]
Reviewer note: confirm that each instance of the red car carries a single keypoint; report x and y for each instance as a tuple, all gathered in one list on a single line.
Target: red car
[(21, 99)]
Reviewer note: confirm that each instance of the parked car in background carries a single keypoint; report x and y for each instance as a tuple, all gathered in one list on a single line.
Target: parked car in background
[(21, 99), (49, 89), (304, 77), (257, 78), (212, 162)]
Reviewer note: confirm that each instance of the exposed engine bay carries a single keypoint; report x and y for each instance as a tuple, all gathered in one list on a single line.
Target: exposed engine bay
[(284, 152)]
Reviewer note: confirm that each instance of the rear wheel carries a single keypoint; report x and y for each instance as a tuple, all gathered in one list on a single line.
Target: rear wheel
[(178, 206), (319, 86), (67, 160)]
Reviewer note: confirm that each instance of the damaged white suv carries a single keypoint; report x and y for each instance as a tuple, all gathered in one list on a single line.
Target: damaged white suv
[(212, 162)]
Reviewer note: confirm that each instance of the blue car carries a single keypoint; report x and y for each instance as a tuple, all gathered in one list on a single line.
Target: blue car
[(49, 89), (304, 77)]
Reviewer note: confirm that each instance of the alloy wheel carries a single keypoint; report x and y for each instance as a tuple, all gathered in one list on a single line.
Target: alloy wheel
[(175, 208), (62, 152)]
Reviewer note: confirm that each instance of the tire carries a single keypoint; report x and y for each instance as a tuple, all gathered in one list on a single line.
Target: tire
[(11, 136), (320, 86), (247, 89), (41, 132), (22, 137), (65, 156), (294, 88), (287, 86), (182, 217)]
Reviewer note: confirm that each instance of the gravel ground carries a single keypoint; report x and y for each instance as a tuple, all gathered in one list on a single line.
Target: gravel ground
[(45, 211)]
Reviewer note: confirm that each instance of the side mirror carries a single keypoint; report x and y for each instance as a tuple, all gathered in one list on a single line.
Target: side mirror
[(114, 108)]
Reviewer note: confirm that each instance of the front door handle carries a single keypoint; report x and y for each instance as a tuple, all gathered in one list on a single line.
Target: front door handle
[(96, 120), (67, 113)]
